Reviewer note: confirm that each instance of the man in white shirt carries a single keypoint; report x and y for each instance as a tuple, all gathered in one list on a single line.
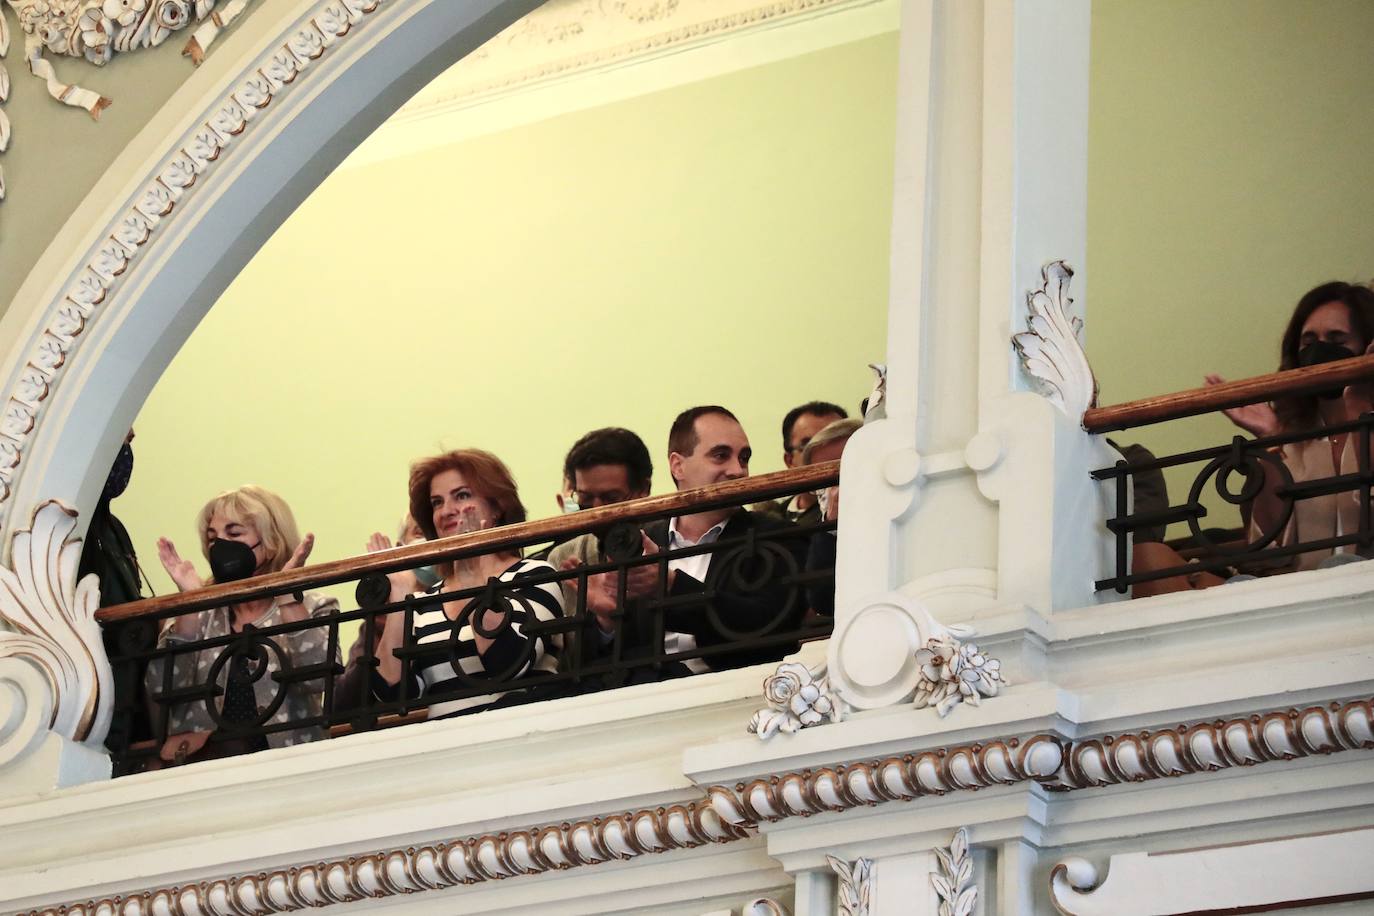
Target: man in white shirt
[(706, 446)]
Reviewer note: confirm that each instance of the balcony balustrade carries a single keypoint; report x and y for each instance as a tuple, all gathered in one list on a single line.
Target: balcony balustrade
[(1245, 472), (756, 603)]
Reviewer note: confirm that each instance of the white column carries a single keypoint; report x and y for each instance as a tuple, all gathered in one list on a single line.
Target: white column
[(973, 484), (1016, 863), (814, 894), (901, 886)]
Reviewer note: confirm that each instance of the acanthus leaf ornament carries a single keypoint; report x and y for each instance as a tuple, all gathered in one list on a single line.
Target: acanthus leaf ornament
[(875, 405), (954, 672), (54, 632), (1050, 349), (855, 892), (94, 30), (954, 882), (798, 697)]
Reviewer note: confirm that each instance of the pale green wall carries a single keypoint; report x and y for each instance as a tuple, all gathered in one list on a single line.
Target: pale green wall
[(1229, 172), (727, 241), (721, 242)]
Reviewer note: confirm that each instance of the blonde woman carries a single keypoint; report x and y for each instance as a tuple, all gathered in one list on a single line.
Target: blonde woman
[(243, 533)]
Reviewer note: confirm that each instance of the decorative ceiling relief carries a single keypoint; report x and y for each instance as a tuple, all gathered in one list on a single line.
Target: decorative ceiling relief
[(954, 883), (563, 37), (95, 30), (954, 672), (54, 655), (1051, 350), (798, 697), (206, 146), (855, 891)]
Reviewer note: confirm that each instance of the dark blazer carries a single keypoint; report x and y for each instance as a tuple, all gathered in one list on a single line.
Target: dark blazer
[(774, 608)]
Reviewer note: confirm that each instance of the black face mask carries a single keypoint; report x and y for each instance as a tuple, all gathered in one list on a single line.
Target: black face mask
[(1319, 352), (123, 469), (231, 561)]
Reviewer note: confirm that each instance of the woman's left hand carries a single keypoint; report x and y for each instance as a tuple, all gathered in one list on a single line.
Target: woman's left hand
[(292, 610), (301, 553)]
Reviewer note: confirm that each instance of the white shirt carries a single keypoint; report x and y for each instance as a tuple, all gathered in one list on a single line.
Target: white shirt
[(696, 567)]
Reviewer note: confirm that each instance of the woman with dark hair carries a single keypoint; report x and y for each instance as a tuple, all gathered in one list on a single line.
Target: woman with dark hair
[(1333, 321), (456, 493)]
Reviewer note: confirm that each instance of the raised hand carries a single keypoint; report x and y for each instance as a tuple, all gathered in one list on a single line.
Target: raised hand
[(640, 581), (600, 600), (292, 610), (178, 748), (402, 583), (301, 553), (183, 572), (1259, 420)]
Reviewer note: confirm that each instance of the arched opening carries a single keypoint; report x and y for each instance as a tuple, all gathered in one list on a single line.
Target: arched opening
[(100, 344), (791, 308)]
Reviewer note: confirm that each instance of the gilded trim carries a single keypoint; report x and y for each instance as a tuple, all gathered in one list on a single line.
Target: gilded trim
[(730, 813)]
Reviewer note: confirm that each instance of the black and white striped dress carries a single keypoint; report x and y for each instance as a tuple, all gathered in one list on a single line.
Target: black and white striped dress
[(510, 651)]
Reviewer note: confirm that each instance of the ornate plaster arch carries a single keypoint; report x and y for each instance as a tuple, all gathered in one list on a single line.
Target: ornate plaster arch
[(117, 292), (183, 208)]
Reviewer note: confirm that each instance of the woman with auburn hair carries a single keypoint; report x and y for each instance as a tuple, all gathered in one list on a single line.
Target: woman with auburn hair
[(243, 533), (456, 493), (1331, 322)]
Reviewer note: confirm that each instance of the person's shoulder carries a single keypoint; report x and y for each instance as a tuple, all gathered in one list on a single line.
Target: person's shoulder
[(317, 605), (581, 546), (772, 508)]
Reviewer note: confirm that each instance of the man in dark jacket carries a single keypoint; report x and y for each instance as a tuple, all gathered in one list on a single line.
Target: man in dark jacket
[(744, 591)]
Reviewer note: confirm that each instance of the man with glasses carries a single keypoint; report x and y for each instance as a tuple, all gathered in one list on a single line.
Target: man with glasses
[(800, 424)]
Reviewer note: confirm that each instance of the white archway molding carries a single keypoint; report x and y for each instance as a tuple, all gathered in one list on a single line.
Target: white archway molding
[(182, 210)]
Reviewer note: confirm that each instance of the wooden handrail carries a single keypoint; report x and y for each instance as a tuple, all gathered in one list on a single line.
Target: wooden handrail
[(1196, 401), (730, 493)]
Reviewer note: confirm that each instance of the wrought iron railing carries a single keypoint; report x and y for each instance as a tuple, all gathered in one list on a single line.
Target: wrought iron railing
[(1242, 472), (754, 603)]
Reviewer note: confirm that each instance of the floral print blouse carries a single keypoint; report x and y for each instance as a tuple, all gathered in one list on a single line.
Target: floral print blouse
[(249, 671)]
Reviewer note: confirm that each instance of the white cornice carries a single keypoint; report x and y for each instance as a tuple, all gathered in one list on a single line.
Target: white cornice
[(570, 55), (728, 813)]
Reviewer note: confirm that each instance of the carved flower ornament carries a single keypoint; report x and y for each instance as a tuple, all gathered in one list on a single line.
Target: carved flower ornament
[(95, 30), (797, 698), (953, 672)]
